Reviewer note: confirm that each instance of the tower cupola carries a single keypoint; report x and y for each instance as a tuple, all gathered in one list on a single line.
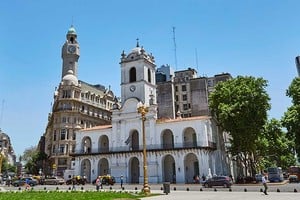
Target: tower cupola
[(70, 53), (138, 76)]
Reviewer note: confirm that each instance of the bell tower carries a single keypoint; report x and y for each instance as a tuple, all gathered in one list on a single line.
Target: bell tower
[(138, 76), (70, 53)]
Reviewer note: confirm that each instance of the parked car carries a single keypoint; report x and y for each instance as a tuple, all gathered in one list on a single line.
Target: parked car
[(22, 181), (224, 181), (293, 179), (106, 180), (53, 181)]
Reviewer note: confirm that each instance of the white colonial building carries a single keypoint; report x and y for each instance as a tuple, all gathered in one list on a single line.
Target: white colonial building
[(177, 149)]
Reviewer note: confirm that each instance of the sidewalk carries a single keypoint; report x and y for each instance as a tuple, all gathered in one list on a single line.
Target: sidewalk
[(197, 195)]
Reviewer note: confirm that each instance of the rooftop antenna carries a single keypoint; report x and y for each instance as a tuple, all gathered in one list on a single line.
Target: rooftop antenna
[(174, 41), (196, 54)]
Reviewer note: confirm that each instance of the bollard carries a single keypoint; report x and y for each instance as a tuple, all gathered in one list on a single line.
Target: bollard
[(201, 189), (295, 190), (174, 188), (230, 190), (215, 189), (187, 189), (245, 190), (278, 190), (261, 190)]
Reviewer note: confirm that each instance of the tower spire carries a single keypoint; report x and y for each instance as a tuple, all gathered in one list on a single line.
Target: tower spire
[(137, 42)]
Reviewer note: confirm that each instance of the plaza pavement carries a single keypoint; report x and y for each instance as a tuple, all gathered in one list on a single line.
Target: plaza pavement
[(211, 195), (194, 193)]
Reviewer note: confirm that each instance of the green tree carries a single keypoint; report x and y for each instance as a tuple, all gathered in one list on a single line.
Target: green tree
[(275, 149), (34, 160), (28, 154), (6, 167), (240, 106), (291, 118)]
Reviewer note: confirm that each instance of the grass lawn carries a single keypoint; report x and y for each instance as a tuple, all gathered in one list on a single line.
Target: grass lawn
[(74, 195)]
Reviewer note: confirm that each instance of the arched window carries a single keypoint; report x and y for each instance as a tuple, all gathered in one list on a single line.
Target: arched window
[(132, 75), (149, 76)]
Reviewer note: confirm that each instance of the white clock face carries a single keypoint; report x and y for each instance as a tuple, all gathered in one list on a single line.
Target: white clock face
[(132, 88), (71, 49)]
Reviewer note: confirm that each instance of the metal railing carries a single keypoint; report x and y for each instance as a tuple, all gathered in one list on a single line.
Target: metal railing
[(158, 147)]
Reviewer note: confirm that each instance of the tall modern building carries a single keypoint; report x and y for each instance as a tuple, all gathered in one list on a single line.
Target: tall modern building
[(77, 105), (297, 61)]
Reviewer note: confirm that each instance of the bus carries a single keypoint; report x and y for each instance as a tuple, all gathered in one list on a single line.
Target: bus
[(294, 170), (275, 174)]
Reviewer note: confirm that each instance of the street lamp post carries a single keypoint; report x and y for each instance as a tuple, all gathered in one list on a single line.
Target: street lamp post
[(143, 110)]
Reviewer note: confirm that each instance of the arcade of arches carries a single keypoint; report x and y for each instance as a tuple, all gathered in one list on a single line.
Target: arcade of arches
[(168, 164)]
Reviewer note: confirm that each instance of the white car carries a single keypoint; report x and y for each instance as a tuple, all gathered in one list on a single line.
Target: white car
[(53, 181)]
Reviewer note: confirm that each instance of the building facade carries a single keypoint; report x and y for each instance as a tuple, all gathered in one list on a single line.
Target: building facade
[(6, 149), (177, 148), (77, 105), (183, 93)]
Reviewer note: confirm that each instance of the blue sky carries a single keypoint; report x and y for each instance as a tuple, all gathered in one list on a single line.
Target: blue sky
[(242, 37)]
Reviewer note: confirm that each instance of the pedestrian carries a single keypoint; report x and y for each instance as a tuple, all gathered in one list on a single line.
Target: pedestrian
[(9, 180), (101, 179), (264, 182), (98, 183), (27, 184), (73, 183), (203, 178), (121, 181)]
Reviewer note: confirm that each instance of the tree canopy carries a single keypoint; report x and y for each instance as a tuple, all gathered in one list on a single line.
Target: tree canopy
[(240, 106), (291, 118), (274, 148), (34, 160)]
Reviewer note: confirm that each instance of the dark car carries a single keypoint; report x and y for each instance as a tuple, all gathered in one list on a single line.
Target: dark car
[(293, 179), (224, 181), (22, 181), (106, 180)]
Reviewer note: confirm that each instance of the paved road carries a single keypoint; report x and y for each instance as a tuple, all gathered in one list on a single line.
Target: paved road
[(194, 193), (197, 195)]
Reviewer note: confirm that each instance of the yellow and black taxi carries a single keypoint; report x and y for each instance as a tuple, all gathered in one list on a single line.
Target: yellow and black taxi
[(106, 180)]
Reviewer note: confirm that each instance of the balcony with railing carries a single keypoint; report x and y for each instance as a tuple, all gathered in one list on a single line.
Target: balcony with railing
[(153, 147)]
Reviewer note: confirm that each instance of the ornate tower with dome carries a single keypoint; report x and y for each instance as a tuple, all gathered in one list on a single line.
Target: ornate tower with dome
[(76, 105), (70, 53), (138, 76)]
